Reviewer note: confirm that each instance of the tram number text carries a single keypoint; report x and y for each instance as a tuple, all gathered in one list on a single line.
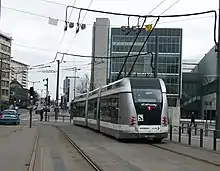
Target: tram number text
[(140, 118)]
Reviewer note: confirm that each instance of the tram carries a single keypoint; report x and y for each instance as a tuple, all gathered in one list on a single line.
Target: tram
[(130, 108)]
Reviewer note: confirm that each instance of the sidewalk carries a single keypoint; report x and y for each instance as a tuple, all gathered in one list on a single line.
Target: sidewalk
[(195, 141), (16, 149), (54, 153), (195, 153)]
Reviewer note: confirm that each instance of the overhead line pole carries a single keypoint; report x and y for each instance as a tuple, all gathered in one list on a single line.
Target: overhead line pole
[(217, 115), (57, 90)]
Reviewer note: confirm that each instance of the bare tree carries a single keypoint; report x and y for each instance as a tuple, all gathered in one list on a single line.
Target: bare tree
[(84, 84)]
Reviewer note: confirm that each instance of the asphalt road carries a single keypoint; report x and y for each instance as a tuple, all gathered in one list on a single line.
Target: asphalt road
[(113, 155)]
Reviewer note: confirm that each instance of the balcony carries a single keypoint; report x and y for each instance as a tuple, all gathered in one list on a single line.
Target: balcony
[(5, 42)]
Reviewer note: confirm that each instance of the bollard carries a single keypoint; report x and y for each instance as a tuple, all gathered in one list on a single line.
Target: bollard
[(201, 138), (214, 140), (63, 118), (48, 119), (206, 129), (180, 134), (189, 138), (195, 129), (70, 119), (171, 132), (182, 127)]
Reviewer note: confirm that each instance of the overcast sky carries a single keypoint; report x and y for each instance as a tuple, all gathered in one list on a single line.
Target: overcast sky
[(34, 31)]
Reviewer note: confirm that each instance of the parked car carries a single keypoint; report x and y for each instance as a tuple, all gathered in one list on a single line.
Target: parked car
[(9, 116)]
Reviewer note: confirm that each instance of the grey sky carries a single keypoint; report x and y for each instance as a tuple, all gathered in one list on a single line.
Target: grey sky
[(35, 31)]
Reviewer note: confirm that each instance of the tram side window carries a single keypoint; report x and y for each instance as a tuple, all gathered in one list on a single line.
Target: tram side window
[(115, 109), (92, 108), (80, 109), (104, 110), (109, 108)]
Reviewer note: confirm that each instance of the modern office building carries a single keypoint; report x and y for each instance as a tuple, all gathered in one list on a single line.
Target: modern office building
[(169, 55), (199, 88), (5, 57), (100, 47), (114, 42), (19, 72), (68, 91)]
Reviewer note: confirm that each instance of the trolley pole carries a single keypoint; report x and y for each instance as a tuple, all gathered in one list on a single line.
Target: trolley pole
[(57, 91), (217, 115)]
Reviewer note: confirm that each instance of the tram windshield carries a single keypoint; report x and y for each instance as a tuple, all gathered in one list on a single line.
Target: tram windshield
[(147, 95)]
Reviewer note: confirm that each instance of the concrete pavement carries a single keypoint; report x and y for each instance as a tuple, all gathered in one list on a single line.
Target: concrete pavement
[(113, 155), (15, 150), (54, 153)]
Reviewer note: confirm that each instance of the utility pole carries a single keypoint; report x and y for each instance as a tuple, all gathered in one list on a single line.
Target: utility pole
[(1, 85), (57, 91), (217, 115)]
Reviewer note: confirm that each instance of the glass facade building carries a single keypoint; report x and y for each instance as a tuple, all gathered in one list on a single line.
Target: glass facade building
[(169, 56)]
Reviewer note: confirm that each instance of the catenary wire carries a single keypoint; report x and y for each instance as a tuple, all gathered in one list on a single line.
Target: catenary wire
[(123, 65), (60, 20), (51, 2), (167, 9), (156, 16), (157, 6), (132, 67), (90, 4), (63, 35)]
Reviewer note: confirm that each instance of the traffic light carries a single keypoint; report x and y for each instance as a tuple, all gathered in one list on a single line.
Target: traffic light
[(32, 91)]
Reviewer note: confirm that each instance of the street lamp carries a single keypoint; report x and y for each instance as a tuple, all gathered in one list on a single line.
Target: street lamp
[(75, 69)]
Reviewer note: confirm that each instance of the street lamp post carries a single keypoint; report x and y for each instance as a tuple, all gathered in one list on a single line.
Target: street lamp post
[(75, 71)]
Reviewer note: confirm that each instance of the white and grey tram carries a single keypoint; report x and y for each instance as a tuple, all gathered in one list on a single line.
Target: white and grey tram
[(130, 108)]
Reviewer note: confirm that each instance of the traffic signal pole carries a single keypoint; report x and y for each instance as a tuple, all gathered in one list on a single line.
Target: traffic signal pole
[(31, 105)]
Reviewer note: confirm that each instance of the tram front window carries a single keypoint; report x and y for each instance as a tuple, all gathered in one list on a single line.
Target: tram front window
[(147, 95)]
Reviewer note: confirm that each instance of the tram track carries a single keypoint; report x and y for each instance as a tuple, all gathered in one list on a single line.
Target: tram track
[(92, 163)]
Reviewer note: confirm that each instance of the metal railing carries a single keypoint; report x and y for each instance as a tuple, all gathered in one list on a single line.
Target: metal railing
[(63, 118), (197, 133)]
